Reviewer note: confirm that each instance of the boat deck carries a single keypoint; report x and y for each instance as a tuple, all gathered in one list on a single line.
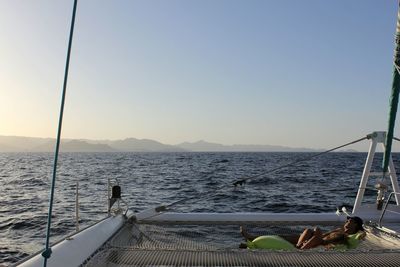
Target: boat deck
[(217, 245)]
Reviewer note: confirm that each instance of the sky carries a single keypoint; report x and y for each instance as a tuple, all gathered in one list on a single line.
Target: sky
[(307, 73)]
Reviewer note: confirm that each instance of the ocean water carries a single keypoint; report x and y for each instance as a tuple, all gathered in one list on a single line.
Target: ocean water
[(151, 179)]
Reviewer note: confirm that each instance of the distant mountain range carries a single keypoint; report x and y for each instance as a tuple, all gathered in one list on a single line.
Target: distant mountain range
[(203, 146), (32, 144)]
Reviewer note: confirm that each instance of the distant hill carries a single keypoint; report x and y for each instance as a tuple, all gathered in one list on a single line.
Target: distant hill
[(143, 145), (261, 148), (74, 146), (32, 144), (203, 146), (21, 143), (6, 148)]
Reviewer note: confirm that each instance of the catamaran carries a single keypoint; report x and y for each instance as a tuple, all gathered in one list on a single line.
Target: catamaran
[(150, 237)]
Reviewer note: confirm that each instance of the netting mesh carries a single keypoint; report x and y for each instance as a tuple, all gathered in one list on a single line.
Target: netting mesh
[(161, 237), (217, 245), (115, 257)]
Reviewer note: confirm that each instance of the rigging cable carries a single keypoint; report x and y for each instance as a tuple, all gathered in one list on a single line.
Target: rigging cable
[(47, 251), (162, 208), (242, 181)]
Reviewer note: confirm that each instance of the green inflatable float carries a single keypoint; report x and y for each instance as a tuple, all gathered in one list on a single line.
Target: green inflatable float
[(273, 242), (352, 241)]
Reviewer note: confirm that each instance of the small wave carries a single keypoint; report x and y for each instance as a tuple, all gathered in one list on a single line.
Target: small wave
[(9, 255), (18, 225), (5, 225)]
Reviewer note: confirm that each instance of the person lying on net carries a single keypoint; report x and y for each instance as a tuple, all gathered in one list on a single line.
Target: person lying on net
[(349, 234)]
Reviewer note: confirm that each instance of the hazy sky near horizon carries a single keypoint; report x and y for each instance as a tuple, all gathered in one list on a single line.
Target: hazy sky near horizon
[(296, 73)]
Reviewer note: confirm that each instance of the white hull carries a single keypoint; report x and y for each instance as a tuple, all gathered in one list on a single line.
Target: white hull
[(74, 250)]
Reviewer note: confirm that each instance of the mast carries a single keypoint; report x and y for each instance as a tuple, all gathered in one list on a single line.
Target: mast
[(394, 99)]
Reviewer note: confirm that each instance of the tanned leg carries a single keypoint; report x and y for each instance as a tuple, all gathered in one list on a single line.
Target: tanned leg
[(314, 241), (304, 237), (291, 238)]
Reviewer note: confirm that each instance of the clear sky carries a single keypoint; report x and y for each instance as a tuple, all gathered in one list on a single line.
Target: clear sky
[(309, 73)]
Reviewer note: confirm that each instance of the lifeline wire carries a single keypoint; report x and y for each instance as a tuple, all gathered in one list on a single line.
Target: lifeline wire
[(47, 252), (242, 181)]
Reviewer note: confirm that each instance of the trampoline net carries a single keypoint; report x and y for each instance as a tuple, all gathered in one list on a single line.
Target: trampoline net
[(218, 245)]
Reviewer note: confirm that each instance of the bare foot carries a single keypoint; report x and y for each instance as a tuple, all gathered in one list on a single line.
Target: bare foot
[(245, 234), (243, 245), (243, 231)]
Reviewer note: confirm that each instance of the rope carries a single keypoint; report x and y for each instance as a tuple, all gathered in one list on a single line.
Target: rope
[(242, 181), (47, 251)]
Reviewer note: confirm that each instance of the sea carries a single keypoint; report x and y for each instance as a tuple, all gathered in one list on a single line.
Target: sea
[(203, 181)]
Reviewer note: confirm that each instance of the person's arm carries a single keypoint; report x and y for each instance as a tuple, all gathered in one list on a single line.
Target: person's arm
[(334, 238), (363, 235), (337, 230), (247, 235)]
